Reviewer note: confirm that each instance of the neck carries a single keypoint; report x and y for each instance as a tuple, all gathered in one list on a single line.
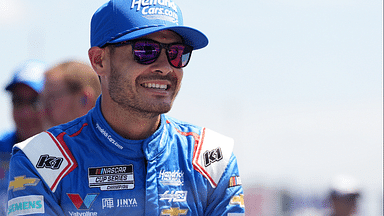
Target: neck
[(129, 124)]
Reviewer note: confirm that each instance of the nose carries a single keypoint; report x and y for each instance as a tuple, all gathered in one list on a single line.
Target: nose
[(161, 65)]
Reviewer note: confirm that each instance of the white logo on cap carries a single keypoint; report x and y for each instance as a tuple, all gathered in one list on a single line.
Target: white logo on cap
[(145, 3), (151, 9)]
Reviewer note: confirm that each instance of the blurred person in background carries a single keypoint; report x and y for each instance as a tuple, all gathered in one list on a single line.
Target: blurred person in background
[(344, 196), (341, 200), (71, 90), (26, 85)]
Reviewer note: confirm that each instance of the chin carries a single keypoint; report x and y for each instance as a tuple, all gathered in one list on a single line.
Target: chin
[(155, 110), (164, 108)]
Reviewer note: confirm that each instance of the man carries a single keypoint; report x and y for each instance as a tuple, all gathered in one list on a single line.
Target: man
[(70, 91), (125, 157), (25, 87), (344, 196)]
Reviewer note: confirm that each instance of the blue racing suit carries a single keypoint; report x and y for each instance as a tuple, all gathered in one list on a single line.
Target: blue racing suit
[(84, 168), (7, 140)]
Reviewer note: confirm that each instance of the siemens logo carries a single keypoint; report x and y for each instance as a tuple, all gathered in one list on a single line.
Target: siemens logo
[(25, 205)]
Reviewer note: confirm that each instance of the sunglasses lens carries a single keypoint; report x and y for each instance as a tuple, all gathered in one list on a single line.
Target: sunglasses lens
[(179, 55), (146, 52)]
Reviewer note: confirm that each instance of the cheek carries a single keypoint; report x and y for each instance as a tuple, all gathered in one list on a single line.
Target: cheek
[(122, 73), (24, 113), (179, 75)]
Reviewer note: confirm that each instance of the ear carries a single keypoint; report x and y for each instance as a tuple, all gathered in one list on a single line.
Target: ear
[(88, 98), (97, 57)]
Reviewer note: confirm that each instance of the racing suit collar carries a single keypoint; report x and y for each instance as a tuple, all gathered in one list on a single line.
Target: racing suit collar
[(149, 148)]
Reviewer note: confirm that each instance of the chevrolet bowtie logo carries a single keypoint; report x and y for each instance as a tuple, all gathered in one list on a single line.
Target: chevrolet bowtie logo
[(174, 211), (237, 200), (20, 182)]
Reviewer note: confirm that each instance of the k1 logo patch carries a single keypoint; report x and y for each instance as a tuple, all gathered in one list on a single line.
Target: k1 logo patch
[(212, 156), (46, 161)]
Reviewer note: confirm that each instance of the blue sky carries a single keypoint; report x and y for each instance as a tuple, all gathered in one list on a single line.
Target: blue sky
[(297, 84)]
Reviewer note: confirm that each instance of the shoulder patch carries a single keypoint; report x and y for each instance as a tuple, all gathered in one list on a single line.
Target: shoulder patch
[(51, 157), (212, 154)]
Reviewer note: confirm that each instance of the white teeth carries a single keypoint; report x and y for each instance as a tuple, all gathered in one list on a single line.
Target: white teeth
[(155, 86)]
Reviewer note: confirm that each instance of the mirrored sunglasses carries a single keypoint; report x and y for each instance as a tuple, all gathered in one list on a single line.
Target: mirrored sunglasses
[(147, 51)]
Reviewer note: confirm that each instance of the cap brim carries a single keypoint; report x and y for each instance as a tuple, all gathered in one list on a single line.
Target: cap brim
[(191, 36), (34, 86)]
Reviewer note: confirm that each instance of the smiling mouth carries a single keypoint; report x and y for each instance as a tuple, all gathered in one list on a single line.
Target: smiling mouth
[(155, 86)]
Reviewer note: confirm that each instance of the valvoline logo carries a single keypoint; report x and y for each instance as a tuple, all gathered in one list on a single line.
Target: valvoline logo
[(81, 204)]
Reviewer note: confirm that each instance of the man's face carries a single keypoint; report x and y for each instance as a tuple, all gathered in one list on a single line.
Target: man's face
[(26, 114), (345, 205), (135, 87), (60, 104)]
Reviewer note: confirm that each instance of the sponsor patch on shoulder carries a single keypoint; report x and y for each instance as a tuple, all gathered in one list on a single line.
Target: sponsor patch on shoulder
[(234, 181), (112, 177), (25, 205), (237, 200), (50, 155), (20, 182), (212, 154)]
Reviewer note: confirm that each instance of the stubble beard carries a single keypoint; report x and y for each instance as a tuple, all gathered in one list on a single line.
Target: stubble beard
[(122, 92)]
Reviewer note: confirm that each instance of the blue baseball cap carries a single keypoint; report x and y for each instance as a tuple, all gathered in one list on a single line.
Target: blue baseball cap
[(122, 20), (30, 73)]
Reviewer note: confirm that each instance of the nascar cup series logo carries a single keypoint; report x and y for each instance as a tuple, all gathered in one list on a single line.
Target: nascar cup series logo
[(111, 177), (157, 9)]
